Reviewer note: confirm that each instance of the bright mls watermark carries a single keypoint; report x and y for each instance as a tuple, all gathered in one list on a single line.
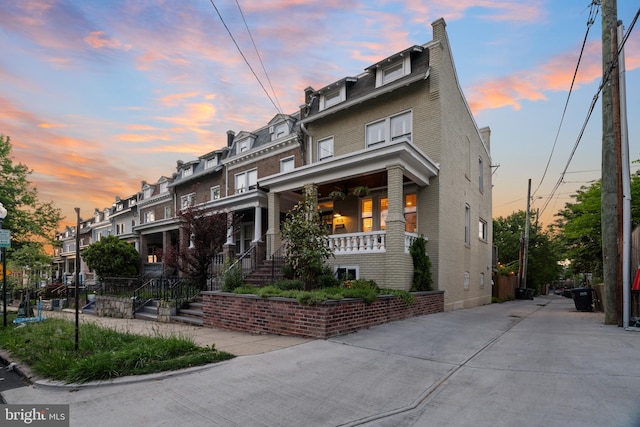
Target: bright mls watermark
[(34, 415)]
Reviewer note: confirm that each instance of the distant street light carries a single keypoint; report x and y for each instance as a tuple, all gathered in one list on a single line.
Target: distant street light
[(3, 215)]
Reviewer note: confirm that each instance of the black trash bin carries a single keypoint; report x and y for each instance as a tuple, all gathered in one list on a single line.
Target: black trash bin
[(521, 293), (583, 298)]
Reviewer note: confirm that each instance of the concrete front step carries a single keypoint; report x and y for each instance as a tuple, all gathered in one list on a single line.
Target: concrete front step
[(198, 321), (146, 316)]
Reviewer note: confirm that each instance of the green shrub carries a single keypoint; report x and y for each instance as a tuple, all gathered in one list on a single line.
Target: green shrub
[(232, 278), (422, 280), (288, 284), (405, 296), (269, 291), (245, 289), (327, 279), (362, 284)]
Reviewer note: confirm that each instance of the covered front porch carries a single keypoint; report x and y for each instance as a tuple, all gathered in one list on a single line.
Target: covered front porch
[(369, 231)]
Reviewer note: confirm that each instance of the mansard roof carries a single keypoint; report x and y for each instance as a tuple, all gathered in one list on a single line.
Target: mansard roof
[(360, 88)]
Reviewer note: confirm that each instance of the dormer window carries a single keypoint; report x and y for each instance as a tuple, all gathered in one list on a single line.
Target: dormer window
[(332, 97), (147, 192), (278, 131), (211, 163), (392, 71), (187, 172), (119, 207), (164, 187), (242, 146)]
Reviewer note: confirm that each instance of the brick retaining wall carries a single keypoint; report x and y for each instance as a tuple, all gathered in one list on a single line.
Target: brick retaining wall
[(285, 316)]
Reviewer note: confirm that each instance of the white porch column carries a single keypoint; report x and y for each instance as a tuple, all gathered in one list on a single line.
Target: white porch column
[(229, 228), (257, 224), (273, 232)]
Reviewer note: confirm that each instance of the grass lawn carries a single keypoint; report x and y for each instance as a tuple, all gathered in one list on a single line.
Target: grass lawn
[(48, 349)]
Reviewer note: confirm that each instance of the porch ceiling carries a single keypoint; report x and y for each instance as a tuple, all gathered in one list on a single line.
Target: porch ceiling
[(370, 162)]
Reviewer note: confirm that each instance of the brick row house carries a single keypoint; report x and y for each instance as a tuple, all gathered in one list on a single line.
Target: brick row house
[(401, 130)]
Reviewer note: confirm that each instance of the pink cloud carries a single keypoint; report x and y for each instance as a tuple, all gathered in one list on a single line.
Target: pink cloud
[(98, 40), (553, 75)]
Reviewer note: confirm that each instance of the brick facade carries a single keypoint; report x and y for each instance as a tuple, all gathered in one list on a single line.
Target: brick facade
[(284, 316)]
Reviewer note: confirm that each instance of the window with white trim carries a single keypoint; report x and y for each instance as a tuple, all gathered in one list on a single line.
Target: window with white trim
[(187, 172), (247, 180), (242, 146), (389, 129), (215, 192), (211, 163), (167, 212), (187, 200), (333, 97), (347, 272), (376, 133), (366, 213), (393, 71), (325, 148), (410, 212), (401, 126), (287, 164), (467, 280), (279, 131), (164, 187), (467, 224), (482, 230), (149, 216), (147, 192)]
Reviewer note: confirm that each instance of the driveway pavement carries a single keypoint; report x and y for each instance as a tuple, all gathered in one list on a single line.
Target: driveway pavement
[(524, 363)]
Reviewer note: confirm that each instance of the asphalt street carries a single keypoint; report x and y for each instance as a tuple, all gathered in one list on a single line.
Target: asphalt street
[(524, 363)]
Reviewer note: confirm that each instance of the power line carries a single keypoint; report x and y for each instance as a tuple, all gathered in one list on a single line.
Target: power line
[(279, 107), (605, 79), (243, 56), (593, 13)]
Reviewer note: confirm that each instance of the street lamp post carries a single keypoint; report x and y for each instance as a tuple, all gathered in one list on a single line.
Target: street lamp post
[(3, 215), (77, 275)]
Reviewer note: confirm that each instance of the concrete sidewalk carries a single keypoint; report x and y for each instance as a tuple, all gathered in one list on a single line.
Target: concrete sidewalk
[(525, 363)]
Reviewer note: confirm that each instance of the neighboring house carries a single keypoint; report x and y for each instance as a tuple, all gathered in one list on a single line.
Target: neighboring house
[(64, 258), (402, 129), (124, 217), (156, 227)]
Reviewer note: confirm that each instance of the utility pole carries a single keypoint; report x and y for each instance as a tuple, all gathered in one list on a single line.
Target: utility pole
[(527, 226), (610, 172)]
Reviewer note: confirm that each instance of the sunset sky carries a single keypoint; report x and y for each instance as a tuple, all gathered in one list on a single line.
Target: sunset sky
[(99, 95)]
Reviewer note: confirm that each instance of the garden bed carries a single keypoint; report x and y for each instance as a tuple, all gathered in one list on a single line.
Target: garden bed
[(286, 316)]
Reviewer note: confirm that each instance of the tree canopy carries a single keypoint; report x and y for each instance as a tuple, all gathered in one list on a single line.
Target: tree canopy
[(111, 257), (543, 254), (208, 234), (580, 229), (29, 219)]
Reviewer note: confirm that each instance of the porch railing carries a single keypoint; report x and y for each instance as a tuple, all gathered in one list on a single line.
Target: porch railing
[(367, 242), (409, 238)]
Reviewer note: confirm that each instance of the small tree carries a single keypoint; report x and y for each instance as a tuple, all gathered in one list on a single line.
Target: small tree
[(422, 280), (306, 239), (207, 234), (112, 257)]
